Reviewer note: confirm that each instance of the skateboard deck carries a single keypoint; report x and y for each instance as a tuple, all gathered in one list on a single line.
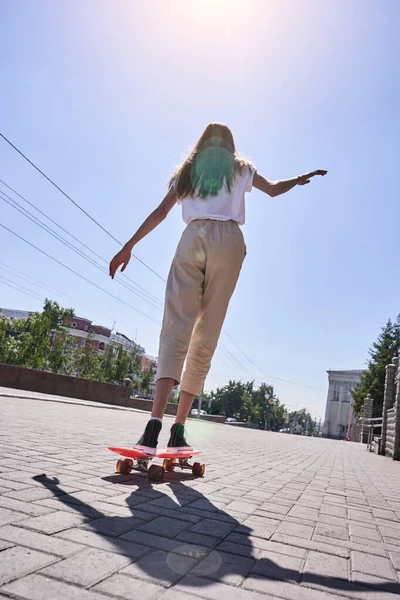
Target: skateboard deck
[(138, 459), (164, 453)]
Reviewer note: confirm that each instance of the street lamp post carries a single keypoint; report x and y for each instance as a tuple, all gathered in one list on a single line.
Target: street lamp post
[(200, 400), (270, 401), (267, 396)]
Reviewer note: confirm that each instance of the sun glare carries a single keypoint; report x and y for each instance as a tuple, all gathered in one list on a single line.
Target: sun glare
[(208, 16)]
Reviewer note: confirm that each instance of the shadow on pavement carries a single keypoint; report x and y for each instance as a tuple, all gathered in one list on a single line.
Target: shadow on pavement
[(176, 555)]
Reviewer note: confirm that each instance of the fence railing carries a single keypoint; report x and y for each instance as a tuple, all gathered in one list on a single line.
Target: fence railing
[(371, 425)]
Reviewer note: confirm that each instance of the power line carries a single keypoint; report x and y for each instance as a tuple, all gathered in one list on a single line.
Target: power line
[(6, 281), (74, 237), (12, 271), (78, 205), (233, 361), (14, 204), (47, 216), (78, 274), (37, 221), (266, 374)]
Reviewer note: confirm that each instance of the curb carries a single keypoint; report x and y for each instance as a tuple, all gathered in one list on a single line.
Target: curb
[(75, 402), (91, 404)]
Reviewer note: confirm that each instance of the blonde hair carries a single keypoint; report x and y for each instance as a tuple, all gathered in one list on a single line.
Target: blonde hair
[(212, 162)]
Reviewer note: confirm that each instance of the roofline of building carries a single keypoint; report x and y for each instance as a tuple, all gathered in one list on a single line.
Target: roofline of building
[(346, 371), (124, 336)]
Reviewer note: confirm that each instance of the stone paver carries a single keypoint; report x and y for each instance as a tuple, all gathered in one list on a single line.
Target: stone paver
[(16, 562), (124, 586), (319, 521), (87, 568)]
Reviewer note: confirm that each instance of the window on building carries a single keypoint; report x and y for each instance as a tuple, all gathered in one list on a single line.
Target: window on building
[(73, 324), (336, 391), (101, 346), (348, 386)]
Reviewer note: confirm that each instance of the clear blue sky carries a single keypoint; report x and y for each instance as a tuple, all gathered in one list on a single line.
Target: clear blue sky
[(107, 96)]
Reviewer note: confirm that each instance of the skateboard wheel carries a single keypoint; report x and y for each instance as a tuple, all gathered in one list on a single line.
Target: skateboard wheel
[(198, 469), (156, 473), (169, 464), (124, 466)]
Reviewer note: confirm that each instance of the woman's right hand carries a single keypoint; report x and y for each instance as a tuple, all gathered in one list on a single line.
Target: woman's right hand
[(121, 258), (303, 179)]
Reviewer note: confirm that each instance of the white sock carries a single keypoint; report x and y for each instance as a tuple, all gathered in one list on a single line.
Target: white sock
[(155, 419)]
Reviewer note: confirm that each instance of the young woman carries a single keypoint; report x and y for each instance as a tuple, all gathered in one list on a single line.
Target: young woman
[(210, 185)]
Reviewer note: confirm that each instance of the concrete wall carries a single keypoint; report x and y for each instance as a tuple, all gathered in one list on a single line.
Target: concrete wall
[(20, 378), (63, 385), (390, 432), (213, 418), (143, 404)]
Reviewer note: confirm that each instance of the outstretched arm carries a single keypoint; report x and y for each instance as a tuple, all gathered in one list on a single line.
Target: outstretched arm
[(52, 484), (275, 188), (153, 220)]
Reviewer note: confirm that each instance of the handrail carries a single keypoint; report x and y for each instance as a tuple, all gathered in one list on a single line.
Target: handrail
[(371, 425)]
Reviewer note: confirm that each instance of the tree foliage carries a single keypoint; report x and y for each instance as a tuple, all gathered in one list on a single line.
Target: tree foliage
[(146, 378), (41, 342), (108, 364), (373, 379), (261, 406), (61, 355), (56, 313), (26, 342)]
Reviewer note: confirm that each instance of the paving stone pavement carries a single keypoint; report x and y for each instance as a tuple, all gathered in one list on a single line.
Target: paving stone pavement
[(276, 516)]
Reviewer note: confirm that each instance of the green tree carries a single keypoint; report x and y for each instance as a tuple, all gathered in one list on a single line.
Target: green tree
[(247, 403), (122, 364), (108, 364), (134, 362), (10, 344), (250, 410), (61, 355), (277, 411), (87, 361), (56, 312), (34, 341), (373, 379), (147, 377), (263, 405), (303, 418), (4, 337), (26, 342), (228, 400), (204, 402)]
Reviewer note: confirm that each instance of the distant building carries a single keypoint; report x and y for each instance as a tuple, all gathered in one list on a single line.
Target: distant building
[(148, 361), (13, 313), (128, 344), (81, 328), (339, 402)]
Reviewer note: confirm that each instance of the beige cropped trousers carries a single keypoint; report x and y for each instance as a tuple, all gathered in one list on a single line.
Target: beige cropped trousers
[(201, 281)]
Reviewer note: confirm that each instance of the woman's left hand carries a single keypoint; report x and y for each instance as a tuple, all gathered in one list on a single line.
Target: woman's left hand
[(303, 179)]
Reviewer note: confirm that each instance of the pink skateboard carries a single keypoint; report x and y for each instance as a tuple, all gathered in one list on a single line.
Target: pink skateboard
[(138, 459)]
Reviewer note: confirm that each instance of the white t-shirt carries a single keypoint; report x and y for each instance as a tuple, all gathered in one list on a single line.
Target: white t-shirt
[(226, 206)]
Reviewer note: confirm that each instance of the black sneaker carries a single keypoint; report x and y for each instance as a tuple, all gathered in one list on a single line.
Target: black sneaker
[(177, 437), (149, 439)]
